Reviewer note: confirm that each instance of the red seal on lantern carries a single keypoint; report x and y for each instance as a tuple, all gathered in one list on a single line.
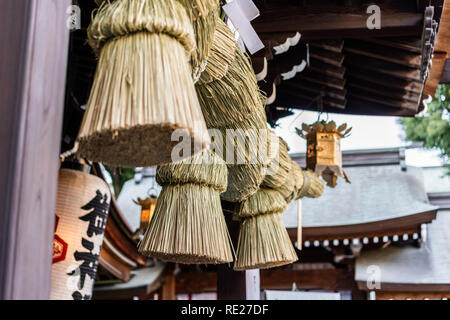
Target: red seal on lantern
[(59, 246)]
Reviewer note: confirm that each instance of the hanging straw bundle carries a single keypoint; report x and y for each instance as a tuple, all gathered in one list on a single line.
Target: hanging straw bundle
[(283, 173), (294, 181), (246, 141), (143, 89), (265, 201), (232, 98), (188, 225), (200, 8), (221, 55), (204, 15), (263, 239), (233, 104), (279, 173), (311, 187)]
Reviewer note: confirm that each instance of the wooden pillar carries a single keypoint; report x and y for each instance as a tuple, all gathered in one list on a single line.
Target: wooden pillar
[(236, 285), (169, 285), (33, 62)]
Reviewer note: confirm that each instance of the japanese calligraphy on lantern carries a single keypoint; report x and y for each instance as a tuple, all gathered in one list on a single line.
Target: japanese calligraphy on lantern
[(82, 207)]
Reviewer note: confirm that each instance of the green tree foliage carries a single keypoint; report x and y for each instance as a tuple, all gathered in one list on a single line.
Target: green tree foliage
[(433, 127)]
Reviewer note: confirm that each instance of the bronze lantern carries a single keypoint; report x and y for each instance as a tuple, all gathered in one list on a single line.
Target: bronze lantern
[(324, 155), (147, 209)]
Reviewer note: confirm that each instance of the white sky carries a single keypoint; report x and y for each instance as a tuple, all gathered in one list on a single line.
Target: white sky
[(368, 133)]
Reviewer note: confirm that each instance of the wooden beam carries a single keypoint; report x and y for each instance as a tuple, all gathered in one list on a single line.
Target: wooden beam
[(33, 65), (443, 37), (196, 282), (330, 45), (309, 75), (327, 25), (311, 96), (317, 89), (279, 279), (120, 240), (383, 67), (412, 44), (369, 96), (274, 279), (383, 91), (383, 53), (441, 51), (354, 106), (144, 284), (404, 287), (326, 56), (436, 71), (446, 73), (412, 295), (327, 69), (379, 228), (112, 265), (383, 79)]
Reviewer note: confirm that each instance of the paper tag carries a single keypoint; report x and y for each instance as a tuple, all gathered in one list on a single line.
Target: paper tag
[(240, 20), (249, 9)]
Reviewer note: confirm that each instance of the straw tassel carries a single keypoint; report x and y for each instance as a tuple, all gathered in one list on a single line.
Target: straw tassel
[(188, 225), (265, 201), (263, 239), (144, 48)]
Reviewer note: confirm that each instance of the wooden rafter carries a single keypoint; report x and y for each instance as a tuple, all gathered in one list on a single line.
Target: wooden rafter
[(441, 53)]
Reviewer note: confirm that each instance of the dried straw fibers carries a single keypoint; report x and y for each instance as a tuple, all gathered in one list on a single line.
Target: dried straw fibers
[(312, 186), (143, 89), (247, 171), (200, 8), (264, 243), (279, 175), (204, 15), (232, 98), (206, 169), (221, 55), (264, 201), (188, 225)]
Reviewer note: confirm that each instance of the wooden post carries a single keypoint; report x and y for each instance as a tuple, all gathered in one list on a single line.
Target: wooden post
[(169, 285), (33, 62), (299, 225), (236, 285)]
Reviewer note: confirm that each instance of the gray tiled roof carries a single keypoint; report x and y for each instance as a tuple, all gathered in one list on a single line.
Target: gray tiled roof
[(376, 193), (429, 264)]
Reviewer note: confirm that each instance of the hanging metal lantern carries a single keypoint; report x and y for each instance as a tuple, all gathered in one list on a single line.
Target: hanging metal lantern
[(148, 204), (81, 212), (148, 208), (324, 154)]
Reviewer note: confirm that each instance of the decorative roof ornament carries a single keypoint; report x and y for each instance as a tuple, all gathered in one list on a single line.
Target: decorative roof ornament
[(324, 154)]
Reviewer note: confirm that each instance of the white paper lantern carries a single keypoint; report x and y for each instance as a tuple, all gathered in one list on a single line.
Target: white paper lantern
[(81, 213)]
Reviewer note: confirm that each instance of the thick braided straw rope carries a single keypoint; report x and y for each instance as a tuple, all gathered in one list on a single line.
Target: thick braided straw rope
[(312, 186)]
